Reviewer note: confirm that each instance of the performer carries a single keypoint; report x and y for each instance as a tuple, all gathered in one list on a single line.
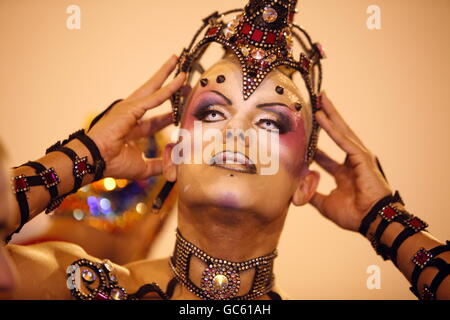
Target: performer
[(230, 215)]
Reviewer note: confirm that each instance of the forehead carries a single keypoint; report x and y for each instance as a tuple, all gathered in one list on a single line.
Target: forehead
[(233, 85)]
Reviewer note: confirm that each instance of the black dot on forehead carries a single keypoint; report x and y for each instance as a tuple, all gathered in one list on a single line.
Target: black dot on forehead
[(204, 82), (220, 78), (279, 89)]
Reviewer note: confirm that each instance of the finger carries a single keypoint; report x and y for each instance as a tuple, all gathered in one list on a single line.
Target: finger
[(323, 160), (317, 201), (334, 115), (153, 167), (157, 80), (155, 99), (150, 126), (186, 90), (343, 141)]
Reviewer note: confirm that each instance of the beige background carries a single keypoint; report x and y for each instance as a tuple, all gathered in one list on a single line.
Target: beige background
[(390, 84)]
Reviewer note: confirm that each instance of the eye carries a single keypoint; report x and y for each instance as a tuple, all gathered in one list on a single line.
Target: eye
[(213, 115), (209, 115), (268, 124)]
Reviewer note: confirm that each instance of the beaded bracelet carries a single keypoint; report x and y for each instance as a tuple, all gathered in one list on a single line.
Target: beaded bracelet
[(425, 258), (413, 225), (389, 214), (372, 214), (99, 164), (21, 184)]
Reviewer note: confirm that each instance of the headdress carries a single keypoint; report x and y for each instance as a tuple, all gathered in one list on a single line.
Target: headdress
[(262, 37)]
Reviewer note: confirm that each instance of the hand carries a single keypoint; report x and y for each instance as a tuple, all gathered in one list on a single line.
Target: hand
[(360, 183), (116, 131)]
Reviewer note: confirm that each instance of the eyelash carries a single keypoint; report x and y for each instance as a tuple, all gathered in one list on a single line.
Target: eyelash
[(204, 112)]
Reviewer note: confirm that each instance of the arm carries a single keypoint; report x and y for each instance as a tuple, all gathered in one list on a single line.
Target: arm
[(114, 136), (407, 250), (360, 186), (40, 269)]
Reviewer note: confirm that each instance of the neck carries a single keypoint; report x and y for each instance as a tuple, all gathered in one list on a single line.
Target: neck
[(225, 235)]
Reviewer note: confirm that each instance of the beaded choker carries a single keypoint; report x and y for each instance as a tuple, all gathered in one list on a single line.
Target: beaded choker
[(221, 278)]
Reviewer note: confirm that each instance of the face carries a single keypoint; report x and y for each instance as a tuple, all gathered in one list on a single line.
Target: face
[(273, 110)]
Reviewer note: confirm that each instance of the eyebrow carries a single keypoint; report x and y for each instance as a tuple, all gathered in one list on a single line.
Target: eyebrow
[(272, 104), (224, 97), (262, 105)]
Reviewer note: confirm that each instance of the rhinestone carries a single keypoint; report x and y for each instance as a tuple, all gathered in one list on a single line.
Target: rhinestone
[(258, 54), (220, 282), (117, 294), (71, 268), (279, 90), (270, 14), (101, 296), (233, 24), (113, 277), (21, 184), (204, 82), (88, 276), (70, 283), (229, 32), (245, 51), (108, 265)]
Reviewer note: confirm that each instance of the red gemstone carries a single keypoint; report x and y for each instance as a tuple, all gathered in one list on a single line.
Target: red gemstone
[(306, 64), (212, 31), (101, 296), (321, 50), (271, 37), (291, 17), (422, 257), (81, 168), (427, 294), (250, 60), (21, 184), (415, 223), (50, 178), (257, 35), (265, 64), (389, 213), (246, 28)]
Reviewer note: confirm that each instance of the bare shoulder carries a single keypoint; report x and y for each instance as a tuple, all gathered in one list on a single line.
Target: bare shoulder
[(41, 268)]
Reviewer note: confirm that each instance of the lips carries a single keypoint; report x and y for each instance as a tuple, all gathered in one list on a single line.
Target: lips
[(234, 161)]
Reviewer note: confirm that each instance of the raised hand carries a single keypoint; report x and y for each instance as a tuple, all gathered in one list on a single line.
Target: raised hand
[(360, 183), (116, 132)]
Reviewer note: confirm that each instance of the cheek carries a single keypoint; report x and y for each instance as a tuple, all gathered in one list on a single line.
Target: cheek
[(292, 147)]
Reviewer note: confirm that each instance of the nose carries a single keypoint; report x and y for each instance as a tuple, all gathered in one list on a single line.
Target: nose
[(236, 131), (239, 134)]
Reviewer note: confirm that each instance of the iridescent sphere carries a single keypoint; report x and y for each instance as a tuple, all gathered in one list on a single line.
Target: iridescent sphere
[(116, 294), (89, 276), (269, 14), (220, 282), (258, 54)]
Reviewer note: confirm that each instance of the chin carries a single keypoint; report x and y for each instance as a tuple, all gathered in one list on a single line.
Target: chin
[(214, 186)]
